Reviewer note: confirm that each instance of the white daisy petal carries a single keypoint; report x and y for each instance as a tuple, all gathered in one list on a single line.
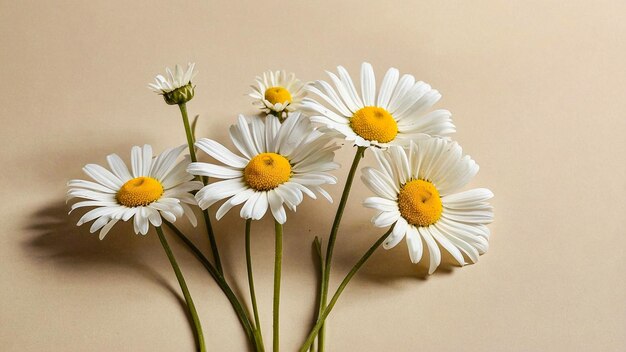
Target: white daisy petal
[(82, 184), (276, 206), (174, 80), (399, 230), (416, 185), (214, 192), (403, 102), (282, 161), (102, 176), (260, 207), (449, 246), (381, 204), (414, 243), (119, 168), (144, 198), (212, 170), (106, 228), (278, 92), (136, 161), (387, 86), (433, 249), (368, 84)]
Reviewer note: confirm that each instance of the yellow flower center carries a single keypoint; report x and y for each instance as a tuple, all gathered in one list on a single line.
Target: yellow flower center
[(374, 124), (139, 191), (419, 203), (267, 171), (276, 95)]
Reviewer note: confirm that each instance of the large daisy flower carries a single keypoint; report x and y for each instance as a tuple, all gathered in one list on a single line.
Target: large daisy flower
[(279, 163), (152, 189), (176, 86), (416, 190), (397, 114), (278, 92)]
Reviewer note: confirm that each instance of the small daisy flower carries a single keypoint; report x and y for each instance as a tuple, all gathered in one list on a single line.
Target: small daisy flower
[(176, 87), (279, 163), (152, 189), (277, 92), (397, 115), (416, 190)]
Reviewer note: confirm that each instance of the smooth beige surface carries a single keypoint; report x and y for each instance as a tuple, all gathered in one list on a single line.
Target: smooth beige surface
[(537, 91)]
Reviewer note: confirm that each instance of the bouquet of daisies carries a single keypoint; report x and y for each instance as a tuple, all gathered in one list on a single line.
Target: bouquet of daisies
[(287, 153)]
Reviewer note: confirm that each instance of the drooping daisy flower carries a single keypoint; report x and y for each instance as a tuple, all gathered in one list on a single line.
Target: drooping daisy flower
[(154, 188), (279, 163), (396, 115), (176, 87), (416, 189), (278, 92)]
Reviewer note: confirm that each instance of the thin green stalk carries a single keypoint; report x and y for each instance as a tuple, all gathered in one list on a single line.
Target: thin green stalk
[(183, 286), (342, 286), (333, 236), (251, 282), (188, 131), (317, 244), (221, 282), (207, 220), (278, 259)]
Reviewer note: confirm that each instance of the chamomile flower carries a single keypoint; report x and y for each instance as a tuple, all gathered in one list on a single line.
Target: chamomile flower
[(278, 92), (175, 87), (152, 189), (278, 164), (417, 190), (397, 114)]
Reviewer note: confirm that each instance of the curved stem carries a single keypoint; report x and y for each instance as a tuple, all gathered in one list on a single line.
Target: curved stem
[(221, 282), (278, 258), (207, 220), (333, 236), (251, 283), (342, 286), (183, 287)]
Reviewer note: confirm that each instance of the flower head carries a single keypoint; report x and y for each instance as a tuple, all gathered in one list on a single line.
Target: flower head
[(416, 190), (176, 88), (396, 115), (279, 163), (152, 189), (278, 92)]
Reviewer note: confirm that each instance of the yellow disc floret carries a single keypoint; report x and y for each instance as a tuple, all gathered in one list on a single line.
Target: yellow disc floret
[(139, 191), (374, 124), (419, 203), (277, 95), (267, 171)]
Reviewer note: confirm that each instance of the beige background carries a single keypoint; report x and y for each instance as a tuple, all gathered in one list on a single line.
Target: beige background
[(537, 93)]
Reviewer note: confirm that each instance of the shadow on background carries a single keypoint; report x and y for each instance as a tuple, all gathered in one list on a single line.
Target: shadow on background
[(385, 266), (57, 240)]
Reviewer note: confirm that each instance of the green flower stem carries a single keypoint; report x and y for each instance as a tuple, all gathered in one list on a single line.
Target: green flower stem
[(342, 286), (320, 262), (278, 258), (333, 237), (188, 131), (183, 287), (251, 283), (221, 282), (205, 213)]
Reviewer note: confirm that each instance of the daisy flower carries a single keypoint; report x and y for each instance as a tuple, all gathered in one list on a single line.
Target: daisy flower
[(277, 92), (152, 189), (278, 164), (396, 115), (416, 190), (175, 87)]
